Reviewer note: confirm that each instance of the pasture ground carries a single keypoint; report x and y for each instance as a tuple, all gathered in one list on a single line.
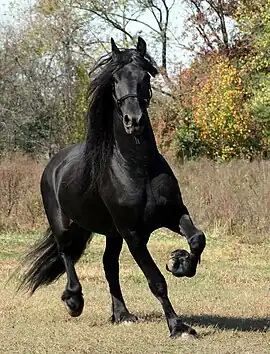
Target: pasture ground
[(227, 302)]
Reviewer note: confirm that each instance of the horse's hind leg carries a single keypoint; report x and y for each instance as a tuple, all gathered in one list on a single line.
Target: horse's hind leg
[(71, 241), (71, 245), (120, 312)]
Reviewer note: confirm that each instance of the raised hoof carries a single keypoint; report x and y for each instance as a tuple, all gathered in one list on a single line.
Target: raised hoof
[(124, 318), (74, 303), (180, 264)]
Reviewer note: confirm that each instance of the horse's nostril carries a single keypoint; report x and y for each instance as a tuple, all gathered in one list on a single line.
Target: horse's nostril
[(131, 121), (126, 119)]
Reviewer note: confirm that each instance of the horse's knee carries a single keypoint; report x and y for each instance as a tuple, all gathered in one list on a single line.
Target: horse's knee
[(197, 243), (195, 237)]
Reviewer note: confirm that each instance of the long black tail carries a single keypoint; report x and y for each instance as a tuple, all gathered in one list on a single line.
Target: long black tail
[(46, 263)]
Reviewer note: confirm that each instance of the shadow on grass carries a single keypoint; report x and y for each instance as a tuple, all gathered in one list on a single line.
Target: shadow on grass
[(244, 324)]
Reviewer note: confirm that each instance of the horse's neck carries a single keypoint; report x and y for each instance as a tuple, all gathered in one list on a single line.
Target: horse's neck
[(135, 152)]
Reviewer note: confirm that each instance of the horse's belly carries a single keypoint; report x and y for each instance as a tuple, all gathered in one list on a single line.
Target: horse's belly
[(95, 222), (90, 214)]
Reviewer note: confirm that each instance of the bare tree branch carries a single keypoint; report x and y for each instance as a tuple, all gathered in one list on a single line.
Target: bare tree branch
[(138, 21)]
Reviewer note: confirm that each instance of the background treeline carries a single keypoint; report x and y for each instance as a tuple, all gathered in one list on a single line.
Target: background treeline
[(216, 103), (211, 100)]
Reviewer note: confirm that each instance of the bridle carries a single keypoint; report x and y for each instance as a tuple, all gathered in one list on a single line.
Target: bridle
[(120, 100)]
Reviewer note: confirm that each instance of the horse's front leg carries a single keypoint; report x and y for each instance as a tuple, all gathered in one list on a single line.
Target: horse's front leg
[(120, 312), (157, 285), (181, 263)]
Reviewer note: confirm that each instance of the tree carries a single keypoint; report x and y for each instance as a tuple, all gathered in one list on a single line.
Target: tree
[(253, 19), (45, 60), (210, 19), (121, 15)]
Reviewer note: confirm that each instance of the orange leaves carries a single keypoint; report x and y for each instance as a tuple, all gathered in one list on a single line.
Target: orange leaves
[(218, 106)]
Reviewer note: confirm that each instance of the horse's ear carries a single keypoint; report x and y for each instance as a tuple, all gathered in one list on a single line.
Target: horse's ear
[(115, 49), (141, 46)]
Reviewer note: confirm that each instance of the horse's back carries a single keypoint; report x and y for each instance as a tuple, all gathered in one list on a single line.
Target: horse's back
[(59, 162)]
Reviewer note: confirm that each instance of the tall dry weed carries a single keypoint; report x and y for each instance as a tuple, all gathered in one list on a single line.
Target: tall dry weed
[(233, 197), (20, 202)]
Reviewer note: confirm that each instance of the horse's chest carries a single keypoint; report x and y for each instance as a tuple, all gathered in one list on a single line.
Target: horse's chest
[(151, 194), (151, 202), (163, 201)]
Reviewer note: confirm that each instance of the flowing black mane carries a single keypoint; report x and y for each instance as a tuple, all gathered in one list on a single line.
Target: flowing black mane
[(100, 139)]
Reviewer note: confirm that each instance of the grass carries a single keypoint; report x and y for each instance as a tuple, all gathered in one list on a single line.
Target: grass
[(227, 302)]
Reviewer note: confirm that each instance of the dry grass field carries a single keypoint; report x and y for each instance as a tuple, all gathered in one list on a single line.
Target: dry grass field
[(227, 302)]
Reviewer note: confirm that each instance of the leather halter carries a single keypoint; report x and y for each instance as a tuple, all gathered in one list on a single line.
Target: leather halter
[(120, 100)]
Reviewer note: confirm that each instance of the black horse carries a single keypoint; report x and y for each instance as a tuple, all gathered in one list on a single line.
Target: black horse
[(117, 184)]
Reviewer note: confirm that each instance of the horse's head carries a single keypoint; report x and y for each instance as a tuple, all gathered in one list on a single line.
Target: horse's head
[(131, 85)]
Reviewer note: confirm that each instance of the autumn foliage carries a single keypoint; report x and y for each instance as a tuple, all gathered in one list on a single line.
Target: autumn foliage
[(219, 110), (218, 105), (223, 97)]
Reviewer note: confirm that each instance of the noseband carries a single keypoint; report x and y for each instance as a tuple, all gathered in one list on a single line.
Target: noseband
[(120, 100)]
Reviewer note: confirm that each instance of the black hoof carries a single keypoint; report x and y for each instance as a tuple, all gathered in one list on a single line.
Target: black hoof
[(125, 317), (179, 329), (181, 265), (74, 303)]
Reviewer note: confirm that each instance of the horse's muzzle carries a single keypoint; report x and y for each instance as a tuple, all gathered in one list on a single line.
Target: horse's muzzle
[(133, 126)]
